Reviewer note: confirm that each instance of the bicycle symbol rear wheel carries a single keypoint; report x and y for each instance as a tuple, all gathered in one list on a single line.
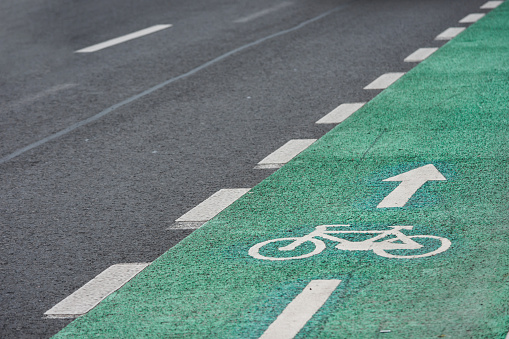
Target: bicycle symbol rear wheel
[(444, 246), (254, 251)]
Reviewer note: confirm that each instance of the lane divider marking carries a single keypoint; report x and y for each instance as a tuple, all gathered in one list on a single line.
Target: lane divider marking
[(491, 4), (471, 18), (384, 80), (284, 153), (93, 292), (124, 38), (295, 316), (261, 13), (420, 54), (341, 113), (450, 33), (209, 208)]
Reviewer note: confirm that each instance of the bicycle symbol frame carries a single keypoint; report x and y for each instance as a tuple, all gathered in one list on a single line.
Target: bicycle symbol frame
[(397, 241)]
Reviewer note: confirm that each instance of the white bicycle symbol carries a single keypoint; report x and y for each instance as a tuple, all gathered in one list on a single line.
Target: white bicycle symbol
[(396, 241)]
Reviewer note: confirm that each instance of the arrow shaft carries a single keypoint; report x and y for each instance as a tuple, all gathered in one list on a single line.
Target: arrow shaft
[(401, 194)]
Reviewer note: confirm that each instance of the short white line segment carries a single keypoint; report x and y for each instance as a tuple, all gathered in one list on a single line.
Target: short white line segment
[(285, 153), (491, 4), (122, 39), (263, 12), (450, 33), (295, 316), (420, 54), (93, 292), (474, 17), (209, 208), (341, 113), (384, 81)]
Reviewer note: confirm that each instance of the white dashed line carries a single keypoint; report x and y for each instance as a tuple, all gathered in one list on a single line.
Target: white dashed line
[(450, 33), (474, 17), (420, 54), (285, 153), (122, 39), (209, 208), (295, 316), (491, 4), (262, 13), (93, 292), (384, 81), (340, 113)]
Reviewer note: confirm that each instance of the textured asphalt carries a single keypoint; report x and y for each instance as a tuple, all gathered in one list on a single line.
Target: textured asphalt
[(100, 195)]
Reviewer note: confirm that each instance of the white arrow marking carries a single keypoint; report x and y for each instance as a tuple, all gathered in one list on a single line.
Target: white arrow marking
[(411, 181)]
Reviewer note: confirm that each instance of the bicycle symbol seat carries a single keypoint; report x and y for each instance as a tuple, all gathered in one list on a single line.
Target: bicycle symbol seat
[(396, 240)]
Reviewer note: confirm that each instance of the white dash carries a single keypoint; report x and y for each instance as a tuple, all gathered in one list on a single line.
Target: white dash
[(384, 81), (262, 12), (285, 153), (450, 33), (420, 54), (93, 292), (295, 316), (341, 113), (122, 39), (209, 208), (491, 4), (474, 17)]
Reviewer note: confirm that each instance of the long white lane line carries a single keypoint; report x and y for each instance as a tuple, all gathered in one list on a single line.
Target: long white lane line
[(295, 316), (263, 12), (284, 153), (209, 208), (491, 4), (122, 39), (450, 33), (341, 113), (420, 54), (93, 292), (384, 81), (471, 18)]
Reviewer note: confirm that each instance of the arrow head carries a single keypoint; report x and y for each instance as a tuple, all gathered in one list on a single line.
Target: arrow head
[(421, 174)]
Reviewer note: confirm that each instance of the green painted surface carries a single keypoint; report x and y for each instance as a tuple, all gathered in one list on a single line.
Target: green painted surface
[(452, 111)]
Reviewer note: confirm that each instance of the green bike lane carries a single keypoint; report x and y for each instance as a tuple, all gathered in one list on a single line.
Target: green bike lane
[(450, 111)]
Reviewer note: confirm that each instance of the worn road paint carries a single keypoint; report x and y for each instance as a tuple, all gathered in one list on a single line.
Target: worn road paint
[(450, 33), (420, 54), (263, 12), (385, 80), (285, 153), (93, 292), (295, 316), (471, 18), (341, 113)]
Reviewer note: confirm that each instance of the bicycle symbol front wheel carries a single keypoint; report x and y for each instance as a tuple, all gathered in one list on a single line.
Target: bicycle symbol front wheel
[(444, 246), (254, 251)]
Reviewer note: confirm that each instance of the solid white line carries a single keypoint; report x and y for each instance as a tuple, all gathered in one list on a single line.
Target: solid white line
[(341, 113), (384, 81), (93, 292), (450, 33), (301, 310), (263, 12), (491, 4), (122, 39), (284, 153), (474, 17), (210, 207), (420, 54)]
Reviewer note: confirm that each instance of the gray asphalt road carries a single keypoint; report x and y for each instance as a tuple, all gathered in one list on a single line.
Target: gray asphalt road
[(108, 191)]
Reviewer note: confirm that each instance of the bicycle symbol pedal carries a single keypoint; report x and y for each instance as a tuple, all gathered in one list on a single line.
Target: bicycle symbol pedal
[(395, 240)]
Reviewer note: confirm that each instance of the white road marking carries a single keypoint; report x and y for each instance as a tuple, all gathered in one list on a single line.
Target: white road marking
[(411, 181), (93, 292), (420, 54), (263, 12), (209, 208), (474, 17), (295, 316), (43, 94), (340, 113), (384, 81), (122, 39), (491, 4), (450, 33), (284, 153)]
